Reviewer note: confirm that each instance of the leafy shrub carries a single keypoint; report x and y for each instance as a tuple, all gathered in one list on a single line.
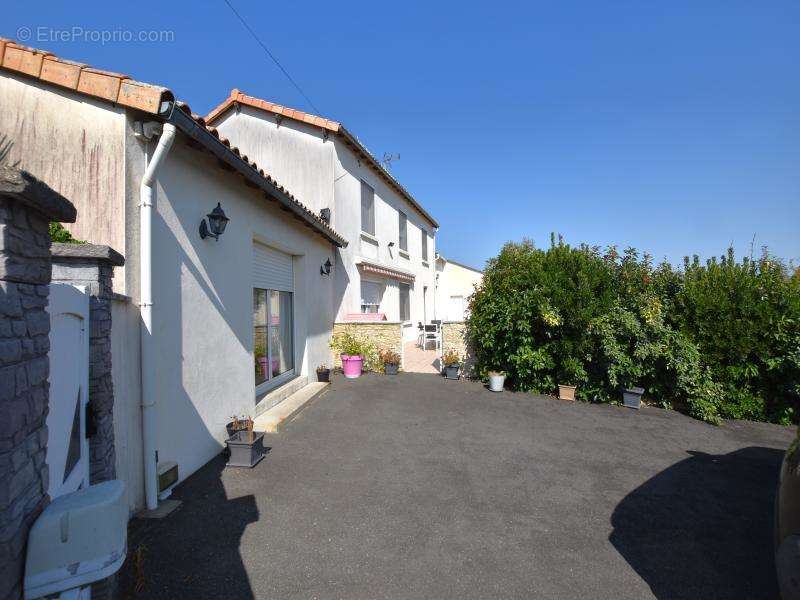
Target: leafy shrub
[(720, 340), (352, 344), (745, 319), (59, 234)]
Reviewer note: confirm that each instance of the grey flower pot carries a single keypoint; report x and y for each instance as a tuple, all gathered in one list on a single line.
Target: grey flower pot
[(245, 452), (324, 376), (632, 397), (391, 369), (451, 371)]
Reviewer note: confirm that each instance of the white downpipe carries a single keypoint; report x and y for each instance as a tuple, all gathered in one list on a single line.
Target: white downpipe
[(149, 424)]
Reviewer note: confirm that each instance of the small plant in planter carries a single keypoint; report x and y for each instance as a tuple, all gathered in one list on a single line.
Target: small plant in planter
[(452, 364), (497, 380), (323, 374), (570, 374), (632, 397), (260, 352), (390, 360), (354, 352), (245, 446)]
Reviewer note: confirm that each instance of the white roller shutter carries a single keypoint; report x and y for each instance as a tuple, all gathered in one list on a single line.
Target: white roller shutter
[(272, 269)]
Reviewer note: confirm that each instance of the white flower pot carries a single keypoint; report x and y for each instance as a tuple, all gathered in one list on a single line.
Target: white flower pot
[(496, 382)]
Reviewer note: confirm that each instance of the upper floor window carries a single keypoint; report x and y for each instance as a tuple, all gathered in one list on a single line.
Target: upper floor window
[(367, 209), (403, 231), (424, 245)]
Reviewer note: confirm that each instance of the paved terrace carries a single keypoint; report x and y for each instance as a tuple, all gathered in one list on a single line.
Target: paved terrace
[(417, 487)]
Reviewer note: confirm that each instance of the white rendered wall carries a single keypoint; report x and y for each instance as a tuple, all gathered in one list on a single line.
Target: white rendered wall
[(75, 144), (203, 303), (454, 280), (316, 170), (293, 153), (348, 175), (125, 361)]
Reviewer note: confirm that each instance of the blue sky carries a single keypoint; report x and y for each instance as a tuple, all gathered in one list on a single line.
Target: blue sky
[(673, 127)]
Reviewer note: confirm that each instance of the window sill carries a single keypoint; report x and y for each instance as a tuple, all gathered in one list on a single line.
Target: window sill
[(404, 254), (369, 237), (426, 264)]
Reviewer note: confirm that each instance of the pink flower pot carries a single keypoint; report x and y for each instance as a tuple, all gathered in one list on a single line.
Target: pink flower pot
[(351, 365)]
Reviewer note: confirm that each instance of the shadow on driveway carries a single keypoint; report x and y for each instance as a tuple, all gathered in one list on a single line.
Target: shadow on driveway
[(194, 552), (703, 527)]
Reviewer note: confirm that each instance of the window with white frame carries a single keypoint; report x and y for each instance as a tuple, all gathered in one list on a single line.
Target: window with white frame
[(367, 209), (272, 334), (403, 222), (405, 302), (424, 245), (371, 296)]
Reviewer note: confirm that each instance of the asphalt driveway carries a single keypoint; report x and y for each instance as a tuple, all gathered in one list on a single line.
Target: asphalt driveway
[(417, 487)]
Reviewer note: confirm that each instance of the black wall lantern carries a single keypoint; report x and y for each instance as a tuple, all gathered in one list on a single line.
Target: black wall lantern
[(326, 268), (217, 221)]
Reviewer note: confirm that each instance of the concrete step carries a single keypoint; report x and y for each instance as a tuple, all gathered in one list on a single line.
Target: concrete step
[(276, 418), (280, 394)]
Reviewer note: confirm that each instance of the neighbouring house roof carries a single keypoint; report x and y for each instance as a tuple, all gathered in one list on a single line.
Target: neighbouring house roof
[(458, 264), (385, 271), (237, 97), (159, 101)]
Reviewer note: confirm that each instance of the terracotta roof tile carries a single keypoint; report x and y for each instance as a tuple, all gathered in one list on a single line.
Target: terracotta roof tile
[(61, 72)]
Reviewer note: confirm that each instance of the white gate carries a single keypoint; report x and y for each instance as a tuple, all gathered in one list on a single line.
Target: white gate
[(67, 446)]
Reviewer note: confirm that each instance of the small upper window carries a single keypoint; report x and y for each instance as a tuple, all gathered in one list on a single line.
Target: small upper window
[(424, 245), (367, 209), (403, 231)]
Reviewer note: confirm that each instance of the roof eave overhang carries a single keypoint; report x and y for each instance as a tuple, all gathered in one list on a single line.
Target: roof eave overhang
[(253, 177)]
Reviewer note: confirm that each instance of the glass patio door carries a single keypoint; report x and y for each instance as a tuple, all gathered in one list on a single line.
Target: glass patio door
[(273, 349)]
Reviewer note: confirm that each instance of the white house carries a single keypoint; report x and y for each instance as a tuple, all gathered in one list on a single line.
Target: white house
[(223, 322), (388, 267), (455, 283)]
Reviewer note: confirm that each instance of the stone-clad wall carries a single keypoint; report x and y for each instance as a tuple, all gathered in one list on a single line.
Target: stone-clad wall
[(454, 337), (26, 206), (385, 336), (92, 266)]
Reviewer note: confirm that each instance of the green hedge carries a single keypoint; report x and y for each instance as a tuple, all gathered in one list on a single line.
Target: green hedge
[(718, 340)]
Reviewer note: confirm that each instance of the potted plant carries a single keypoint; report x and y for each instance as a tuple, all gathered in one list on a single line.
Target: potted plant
[(497, 380), (353, 351), (570, 373), (390, 360), (260, 352), (566, 392), (632, 397), (452, 364), (236, 424), (245, 446), (323, 374)]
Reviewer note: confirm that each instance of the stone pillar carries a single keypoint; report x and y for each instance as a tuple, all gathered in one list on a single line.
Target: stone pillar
[(26, 207), (92, 266)]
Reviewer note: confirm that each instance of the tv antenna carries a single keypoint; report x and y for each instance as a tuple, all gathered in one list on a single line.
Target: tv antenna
[(388, 158)]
